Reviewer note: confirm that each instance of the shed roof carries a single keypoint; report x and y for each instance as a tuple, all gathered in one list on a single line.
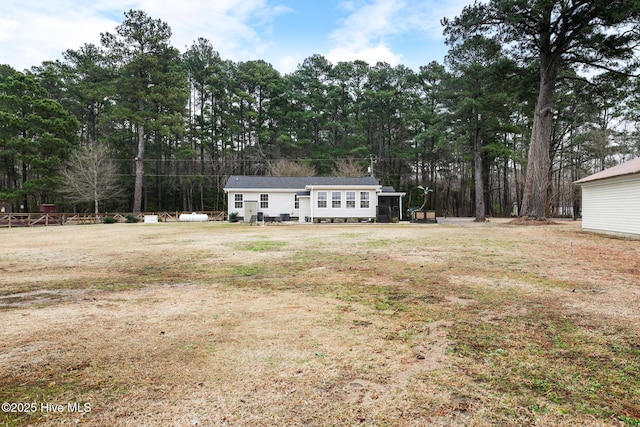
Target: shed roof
[(293, 182), (629, 167)]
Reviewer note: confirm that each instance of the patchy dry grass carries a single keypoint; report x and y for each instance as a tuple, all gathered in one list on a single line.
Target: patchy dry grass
[(212, 324)]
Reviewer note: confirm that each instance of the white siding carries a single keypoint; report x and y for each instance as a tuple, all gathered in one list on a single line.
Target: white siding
[(612, 205), (279, 201), (343, 211)]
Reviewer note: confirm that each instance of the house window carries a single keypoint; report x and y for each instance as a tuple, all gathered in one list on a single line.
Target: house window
[(351, 199), (336, 199), (296, 202), (264, 201), (364, 200), (322, 199), (238, 201)]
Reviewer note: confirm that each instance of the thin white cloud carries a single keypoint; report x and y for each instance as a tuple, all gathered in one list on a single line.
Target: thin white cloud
[(234, 27), (369, 54), (362, 33), (8, 28), (286, 63), (426, 15), (33, 31), (372, 27)]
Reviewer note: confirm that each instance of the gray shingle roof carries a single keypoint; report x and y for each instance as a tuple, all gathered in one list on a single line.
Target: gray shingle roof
[(293, 182)]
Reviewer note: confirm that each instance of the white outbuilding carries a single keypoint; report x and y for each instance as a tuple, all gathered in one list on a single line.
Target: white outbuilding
[(611, 200)]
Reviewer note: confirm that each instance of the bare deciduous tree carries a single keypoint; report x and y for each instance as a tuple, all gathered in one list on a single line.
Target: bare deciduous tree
[(285, 167), (348, 167), (91, 176)]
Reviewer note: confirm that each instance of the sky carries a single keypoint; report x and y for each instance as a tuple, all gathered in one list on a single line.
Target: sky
[(281, 32)]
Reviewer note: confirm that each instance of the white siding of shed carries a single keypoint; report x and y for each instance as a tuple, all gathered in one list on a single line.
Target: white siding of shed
[(280, 201), (612, 205)]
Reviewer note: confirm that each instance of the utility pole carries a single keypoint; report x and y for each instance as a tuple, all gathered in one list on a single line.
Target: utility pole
[(372, 160)]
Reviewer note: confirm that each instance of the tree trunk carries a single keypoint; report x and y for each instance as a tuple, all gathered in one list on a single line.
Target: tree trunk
[(25, 201), (478, 176), (137, 195), (202, 171), (96, 200), (159, 187), (505, 209), (534, 201)]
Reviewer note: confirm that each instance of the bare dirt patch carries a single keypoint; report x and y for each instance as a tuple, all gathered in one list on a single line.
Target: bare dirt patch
[(214, 324)]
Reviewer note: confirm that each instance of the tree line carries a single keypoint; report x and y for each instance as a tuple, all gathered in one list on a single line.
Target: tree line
[(531, 97)]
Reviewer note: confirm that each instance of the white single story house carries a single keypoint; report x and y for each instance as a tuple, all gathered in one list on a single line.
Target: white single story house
[(311, 198), (611, 200)]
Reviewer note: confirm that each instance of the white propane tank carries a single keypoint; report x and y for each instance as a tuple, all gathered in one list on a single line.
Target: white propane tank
[(193, 217), (151, 219)]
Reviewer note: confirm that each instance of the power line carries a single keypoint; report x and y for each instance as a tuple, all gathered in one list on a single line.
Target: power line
[(240, 160)]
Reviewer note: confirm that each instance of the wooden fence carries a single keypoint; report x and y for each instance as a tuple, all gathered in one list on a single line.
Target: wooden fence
[(44, 219)]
